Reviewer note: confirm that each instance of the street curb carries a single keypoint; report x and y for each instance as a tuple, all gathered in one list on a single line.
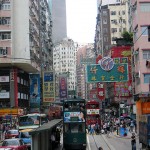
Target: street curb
[(118, 136)]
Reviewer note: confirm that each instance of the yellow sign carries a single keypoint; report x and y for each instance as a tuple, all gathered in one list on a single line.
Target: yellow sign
[(11, 111)]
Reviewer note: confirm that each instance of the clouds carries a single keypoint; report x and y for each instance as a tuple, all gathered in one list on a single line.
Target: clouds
[(81, 20)]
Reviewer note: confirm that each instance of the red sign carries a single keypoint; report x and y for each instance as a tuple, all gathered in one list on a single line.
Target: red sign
[(100, 86)]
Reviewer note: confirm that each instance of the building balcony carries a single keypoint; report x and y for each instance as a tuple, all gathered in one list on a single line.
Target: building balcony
[(5, 13)]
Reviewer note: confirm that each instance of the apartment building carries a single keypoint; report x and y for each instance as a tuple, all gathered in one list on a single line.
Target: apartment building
[(112, 20), (141, 50), (85, 55), (64, 62), (25, 47)]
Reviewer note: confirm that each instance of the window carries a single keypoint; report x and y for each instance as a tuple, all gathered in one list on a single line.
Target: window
[(146, 78), (123, 12), (105, 21), (146, 54), (113, 12), (5, 35), (6, 7), (114, 30), (3, 51), (4, 20), (114, 21), (144, 30), (105, 30), (145, 7), (104, 13), (135, 33)]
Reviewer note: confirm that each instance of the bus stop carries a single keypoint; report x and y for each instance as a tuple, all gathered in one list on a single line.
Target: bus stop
[(41, 136)]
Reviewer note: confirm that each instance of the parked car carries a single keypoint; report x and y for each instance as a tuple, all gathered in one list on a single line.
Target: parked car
[(15, 144), (24, 135), (11, 134)]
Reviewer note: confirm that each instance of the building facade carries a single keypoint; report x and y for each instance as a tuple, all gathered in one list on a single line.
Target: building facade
[(59, 20), (64, 62), (25, 47)]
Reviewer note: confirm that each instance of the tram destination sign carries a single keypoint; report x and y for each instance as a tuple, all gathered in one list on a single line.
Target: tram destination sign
[(117, 73)]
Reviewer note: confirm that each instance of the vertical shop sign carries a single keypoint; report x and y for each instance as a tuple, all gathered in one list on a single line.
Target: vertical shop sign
[(63, 93), (48, 87), (35, 92), (100, 86)]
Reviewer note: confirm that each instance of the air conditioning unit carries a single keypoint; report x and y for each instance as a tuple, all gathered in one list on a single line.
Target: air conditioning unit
[(135, 52), (137, 74)]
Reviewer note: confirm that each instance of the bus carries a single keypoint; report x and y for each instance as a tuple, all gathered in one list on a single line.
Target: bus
[(92, 113), (32, 121), (74, 124)]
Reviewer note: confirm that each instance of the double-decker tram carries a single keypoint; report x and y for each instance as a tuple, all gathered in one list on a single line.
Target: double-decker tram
[(93, 112), (74, 124)]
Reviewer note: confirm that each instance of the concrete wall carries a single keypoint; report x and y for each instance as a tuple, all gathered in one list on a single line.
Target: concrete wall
[(20, 29)]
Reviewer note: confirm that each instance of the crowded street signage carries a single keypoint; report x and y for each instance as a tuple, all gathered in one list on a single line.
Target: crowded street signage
[(107, 71), (92, 111), (48, 87)]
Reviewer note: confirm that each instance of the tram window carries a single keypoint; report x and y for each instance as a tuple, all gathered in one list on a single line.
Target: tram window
[(75, 128)]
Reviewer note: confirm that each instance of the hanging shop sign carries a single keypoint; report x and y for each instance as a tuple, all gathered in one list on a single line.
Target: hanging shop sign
[(118, 73), (48, 87)]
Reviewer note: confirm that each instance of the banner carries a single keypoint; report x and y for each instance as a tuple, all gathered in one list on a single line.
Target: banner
[(35, 92), (63, 93), (48, 87)]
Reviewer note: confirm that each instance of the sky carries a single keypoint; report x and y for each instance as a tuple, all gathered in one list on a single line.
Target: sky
[(81, 19)]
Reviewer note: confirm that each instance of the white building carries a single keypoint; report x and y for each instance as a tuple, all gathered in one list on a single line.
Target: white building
[(64, 61)]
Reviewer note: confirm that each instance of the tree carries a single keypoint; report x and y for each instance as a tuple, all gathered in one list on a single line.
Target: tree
[(127, 36)]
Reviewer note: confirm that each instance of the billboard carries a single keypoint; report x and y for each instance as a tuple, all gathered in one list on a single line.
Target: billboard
[(63, 93), (74, 117), (117, 73), (48, 87), (35, 92)]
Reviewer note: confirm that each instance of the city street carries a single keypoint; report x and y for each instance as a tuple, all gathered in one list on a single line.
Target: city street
[(110, 143)]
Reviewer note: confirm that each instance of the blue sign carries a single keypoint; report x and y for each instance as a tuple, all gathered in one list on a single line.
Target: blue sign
[(35, 92)]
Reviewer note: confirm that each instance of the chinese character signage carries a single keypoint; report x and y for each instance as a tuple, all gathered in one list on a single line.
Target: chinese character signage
[(100, 91), (122, 89), (63, 93), (48, 87), (119, 73), (35, 91)]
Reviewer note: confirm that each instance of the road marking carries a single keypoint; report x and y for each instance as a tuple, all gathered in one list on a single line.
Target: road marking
[(88, 143)]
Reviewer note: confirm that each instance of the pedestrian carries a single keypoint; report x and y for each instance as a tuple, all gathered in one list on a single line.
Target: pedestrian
[(53, 140), (100, 148), (131, 126), (92, 129), (133, 141)]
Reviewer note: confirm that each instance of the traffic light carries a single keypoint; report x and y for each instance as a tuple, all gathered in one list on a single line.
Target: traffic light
[(148, 33)]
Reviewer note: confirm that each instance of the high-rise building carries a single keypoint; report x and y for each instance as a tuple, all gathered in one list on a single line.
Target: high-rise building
[(64, 62), (112, 21), (59, 20), (25, 47)]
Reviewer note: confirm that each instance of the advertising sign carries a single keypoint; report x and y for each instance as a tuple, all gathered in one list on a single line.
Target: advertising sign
[(74, 117), (48, 87), (122, 89), (4, 95), (93, 111), (35, 91), (4, 78), (63, 93), (145, 108), (119, 73)]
